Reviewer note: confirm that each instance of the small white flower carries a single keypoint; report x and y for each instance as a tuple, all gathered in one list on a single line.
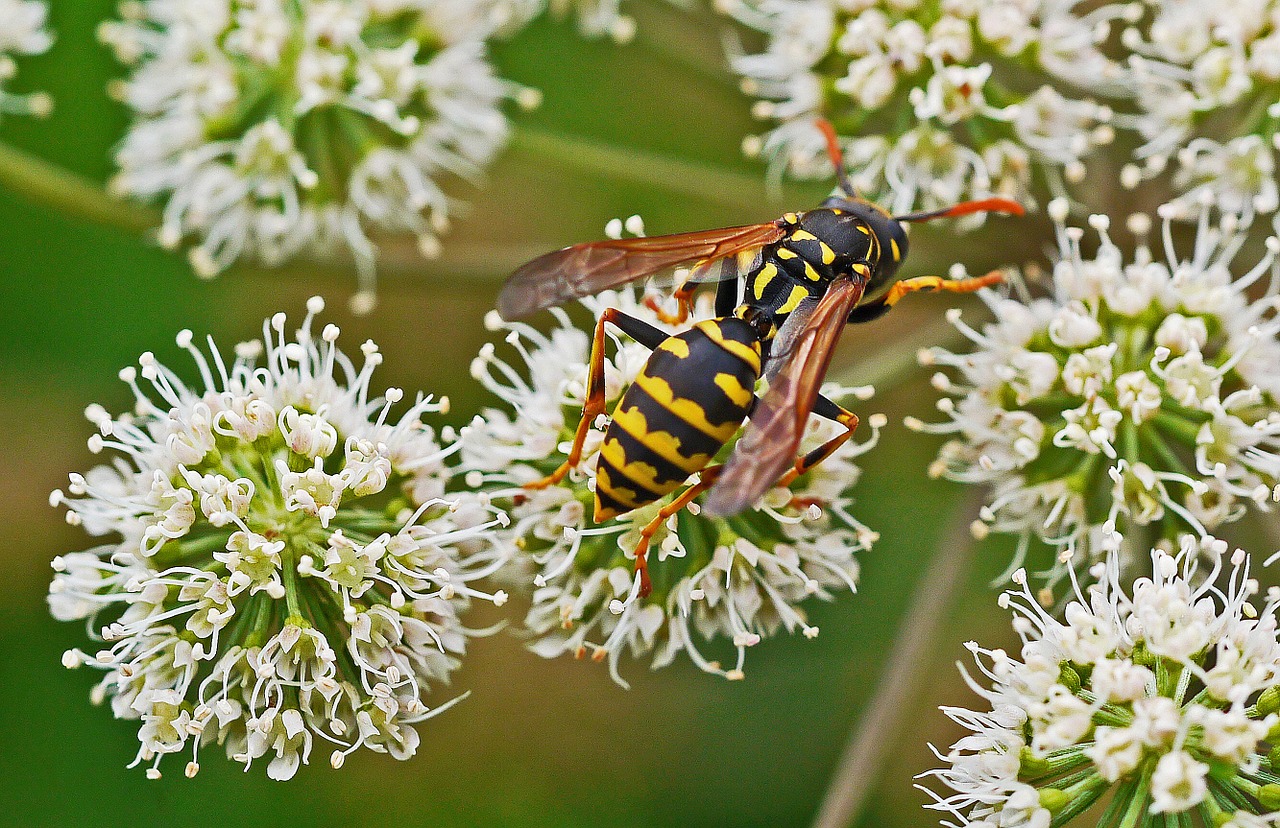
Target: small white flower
[(1134, 723), (22, 32), (250, 597), (1192, 60), (1130, 395), (923, 122), (740, 579), (270, 129)]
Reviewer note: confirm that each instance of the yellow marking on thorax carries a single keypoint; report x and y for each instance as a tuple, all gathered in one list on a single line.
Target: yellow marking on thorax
[(790, 218), (749, 354), (675, 345), (893, 245), (786, 253), (798, 295), (862, 270), (687, 410), (866, 231), (828, 255), (802, 235), (810, 273), (763, 278), (733, 388)]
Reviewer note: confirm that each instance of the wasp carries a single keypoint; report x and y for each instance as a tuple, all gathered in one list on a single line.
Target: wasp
[(785, 290)]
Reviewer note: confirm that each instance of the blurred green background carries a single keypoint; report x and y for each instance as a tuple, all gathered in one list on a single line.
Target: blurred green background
[(538, 743)]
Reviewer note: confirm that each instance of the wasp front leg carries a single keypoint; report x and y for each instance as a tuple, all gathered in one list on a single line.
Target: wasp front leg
[(593, 406), (967, 285)]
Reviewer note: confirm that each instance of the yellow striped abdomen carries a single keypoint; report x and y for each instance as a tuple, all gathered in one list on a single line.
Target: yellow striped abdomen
[(688, 401)]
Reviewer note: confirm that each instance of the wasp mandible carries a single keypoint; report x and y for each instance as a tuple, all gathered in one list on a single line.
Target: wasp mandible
[(785, 291)]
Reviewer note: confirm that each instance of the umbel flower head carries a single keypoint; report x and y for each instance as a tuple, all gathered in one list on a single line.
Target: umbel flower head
[(1139, 397), (270, 128), (935, 102), (741, 579), (281, 571), (1204, 77), (1162, 696), (22, 32)]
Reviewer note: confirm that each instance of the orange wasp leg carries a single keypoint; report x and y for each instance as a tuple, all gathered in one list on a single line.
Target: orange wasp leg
[(684, 304), (593, 406), (823, 408), (969, 285), (706, 478)]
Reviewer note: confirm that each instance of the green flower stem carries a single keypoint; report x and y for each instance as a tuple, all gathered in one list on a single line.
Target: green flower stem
[(878, 732), (67, 192), (704, 182)]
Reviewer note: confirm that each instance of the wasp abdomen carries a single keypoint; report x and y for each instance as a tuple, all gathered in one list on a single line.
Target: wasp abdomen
[(689, 399)]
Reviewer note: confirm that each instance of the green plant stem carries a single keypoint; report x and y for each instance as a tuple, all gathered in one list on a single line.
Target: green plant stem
[(875, 735), (67, 192)]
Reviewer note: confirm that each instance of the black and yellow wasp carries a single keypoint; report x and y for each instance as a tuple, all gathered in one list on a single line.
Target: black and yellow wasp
[(804, 276)]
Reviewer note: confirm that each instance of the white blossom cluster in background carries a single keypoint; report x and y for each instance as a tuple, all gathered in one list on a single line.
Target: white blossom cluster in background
[(1163, 694), (934, 102), (23, 31), (740, 579), (1140, 396), (280, 571), (594, 18), (270, 128), (1206, 80)]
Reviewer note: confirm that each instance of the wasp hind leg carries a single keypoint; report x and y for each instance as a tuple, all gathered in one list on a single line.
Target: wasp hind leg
[(593, 407), (832, 411), (706, 478)]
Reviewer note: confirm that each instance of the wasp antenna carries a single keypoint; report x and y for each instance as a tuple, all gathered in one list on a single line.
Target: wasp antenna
[(982, 205), (837, 158)]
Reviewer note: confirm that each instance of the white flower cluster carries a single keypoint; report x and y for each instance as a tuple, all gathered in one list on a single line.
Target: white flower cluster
[(22, 32), (271, 128), (1139, 394), (925, 119), (1208, 69), (283, 567), (743, 578), (1165, 693)]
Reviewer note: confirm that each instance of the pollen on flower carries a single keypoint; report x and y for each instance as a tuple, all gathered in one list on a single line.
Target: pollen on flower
[(280, 563), (273, 129), (734, 581), (919, 94), (1160, 693), (1138, 399)]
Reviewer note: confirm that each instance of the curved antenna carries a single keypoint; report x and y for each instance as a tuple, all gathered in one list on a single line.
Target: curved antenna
[(837, 158), (982, 205)]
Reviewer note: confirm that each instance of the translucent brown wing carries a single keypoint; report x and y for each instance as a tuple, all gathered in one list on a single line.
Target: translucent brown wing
[(772, 439), (584, 269)]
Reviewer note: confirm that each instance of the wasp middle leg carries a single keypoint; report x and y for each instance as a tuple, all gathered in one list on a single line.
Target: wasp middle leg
[(593, 406)]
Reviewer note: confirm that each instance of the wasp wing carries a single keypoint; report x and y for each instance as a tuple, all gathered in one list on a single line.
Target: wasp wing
[(772, 439), (583, 269)]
